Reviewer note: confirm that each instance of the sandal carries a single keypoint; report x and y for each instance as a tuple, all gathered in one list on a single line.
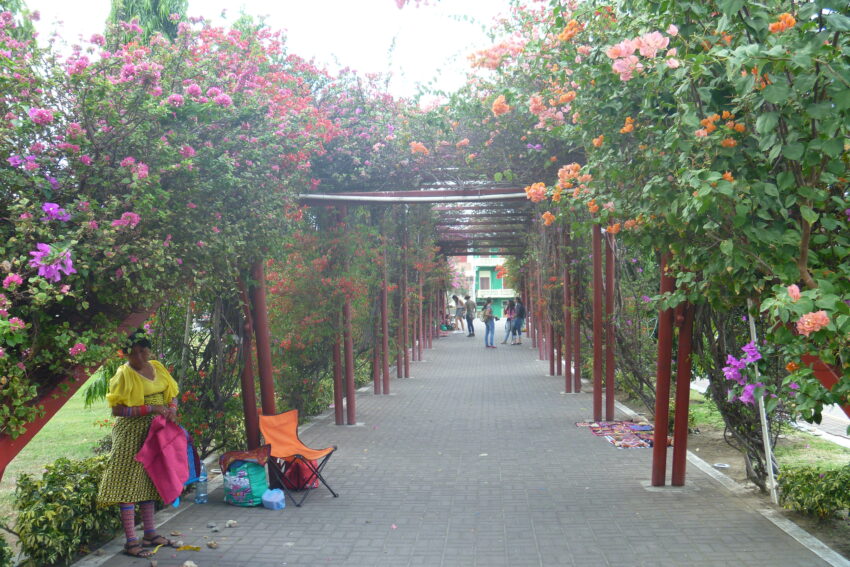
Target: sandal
[(157, 540), (135, 549)]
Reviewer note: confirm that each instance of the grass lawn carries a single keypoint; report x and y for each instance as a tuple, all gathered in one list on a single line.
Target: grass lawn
[(71, 433), (796, 449)]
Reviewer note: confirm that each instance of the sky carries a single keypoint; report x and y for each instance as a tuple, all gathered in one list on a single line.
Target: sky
[(414, 44)]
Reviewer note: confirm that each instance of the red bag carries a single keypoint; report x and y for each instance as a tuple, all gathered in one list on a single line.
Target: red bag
[(298, 476)]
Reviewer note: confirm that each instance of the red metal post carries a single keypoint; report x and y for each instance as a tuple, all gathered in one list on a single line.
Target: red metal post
[(683, 398), (576, 338), (609, 326), (339, 387), (568, 316), (376, 357), (550, 347), (261, 331), (385, 329), (348, 348), (558, 353), (399, 356), (421, 322), (597, 322), (662, 381), (405, 315), (249, 394)]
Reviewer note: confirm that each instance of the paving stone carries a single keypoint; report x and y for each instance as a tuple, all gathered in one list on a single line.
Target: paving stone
[(477, 461)]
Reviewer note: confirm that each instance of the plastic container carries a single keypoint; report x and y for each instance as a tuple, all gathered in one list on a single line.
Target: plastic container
[(274, 499), (201, 496)]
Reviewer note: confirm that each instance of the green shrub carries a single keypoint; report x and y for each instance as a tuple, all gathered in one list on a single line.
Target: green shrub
[(815, 492), (6, 554), (58, 515)]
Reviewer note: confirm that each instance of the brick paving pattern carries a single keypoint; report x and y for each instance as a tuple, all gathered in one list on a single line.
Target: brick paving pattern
[(476, 461)]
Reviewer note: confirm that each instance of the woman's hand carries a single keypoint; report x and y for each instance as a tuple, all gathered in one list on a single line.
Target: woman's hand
[(168, 412)]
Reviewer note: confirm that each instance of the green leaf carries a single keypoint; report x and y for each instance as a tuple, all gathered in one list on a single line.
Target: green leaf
[(833, 147), (793, 151), (776, 93), (730, 7), (498, 176), (837, 22), (726, 247), (767, 122), (808, 214)]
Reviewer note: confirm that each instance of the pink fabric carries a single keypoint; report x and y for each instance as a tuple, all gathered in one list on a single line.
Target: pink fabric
[(164, 457)]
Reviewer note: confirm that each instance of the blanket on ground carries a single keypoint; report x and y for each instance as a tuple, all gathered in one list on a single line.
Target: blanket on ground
[(623, 434)]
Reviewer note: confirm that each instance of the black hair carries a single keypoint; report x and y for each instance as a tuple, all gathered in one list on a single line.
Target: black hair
[(137, 338)]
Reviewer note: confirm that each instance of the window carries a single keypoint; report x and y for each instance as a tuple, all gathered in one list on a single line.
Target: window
[(484, 282)]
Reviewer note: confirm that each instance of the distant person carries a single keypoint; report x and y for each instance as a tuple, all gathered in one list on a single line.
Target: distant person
[(489, 324), (459, 309), (141, 389), (519, 320), (510, 307), (470, 309)]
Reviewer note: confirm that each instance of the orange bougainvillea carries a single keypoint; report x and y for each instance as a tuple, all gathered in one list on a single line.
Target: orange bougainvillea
[(597, 142), (727, 175), (728, 143), (536, 192), (786, 21), (570, 30), (548, 218), (500, 106), (613, 229), (592, 206), (629, 126), (418, 148)]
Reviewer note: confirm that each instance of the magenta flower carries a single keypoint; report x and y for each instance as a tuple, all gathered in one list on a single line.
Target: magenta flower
[(54, 212), (747, 395), (141, 170), (93, 225), (191, 205), (41, 116), (223, 100), (16, 324), (128, 161), (213, 91), (128, 219), (193, 90), (2, 352), (175, 99), (752, 353), (15, 161), (51, 263), (78, 348), (77, 66), (12, 280), (186, 150)]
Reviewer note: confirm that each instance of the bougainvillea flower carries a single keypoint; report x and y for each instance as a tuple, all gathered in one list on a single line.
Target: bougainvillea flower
[(41, 116), (751, 351), (54, 212), (78, 348), (794, 292), (812, 322), (12, 280), (128, 219), (51, 263), (500, 106), (548, 218)]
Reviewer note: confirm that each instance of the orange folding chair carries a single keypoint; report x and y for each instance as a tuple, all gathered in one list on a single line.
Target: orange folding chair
[(281, 432)]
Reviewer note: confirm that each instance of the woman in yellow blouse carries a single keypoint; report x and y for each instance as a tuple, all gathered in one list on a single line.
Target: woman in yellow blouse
[(141, 389)]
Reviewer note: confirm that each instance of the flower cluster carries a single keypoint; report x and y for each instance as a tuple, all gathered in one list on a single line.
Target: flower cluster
[(52, 263)]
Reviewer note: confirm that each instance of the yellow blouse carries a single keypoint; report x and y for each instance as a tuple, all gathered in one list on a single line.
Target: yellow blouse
[(129, 388)]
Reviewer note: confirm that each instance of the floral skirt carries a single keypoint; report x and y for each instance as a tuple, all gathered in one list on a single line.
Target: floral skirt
[(125, 479)]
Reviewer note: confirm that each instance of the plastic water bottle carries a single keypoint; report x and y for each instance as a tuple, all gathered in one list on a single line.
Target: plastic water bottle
[(201, 486)]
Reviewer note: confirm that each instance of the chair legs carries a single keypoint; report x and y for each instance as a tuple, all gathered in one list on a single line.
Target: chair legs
[(277, 467)]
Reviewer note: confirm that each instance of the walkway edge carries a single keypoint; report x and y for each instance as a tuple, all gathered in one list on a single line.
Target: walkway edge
[(805, 539)]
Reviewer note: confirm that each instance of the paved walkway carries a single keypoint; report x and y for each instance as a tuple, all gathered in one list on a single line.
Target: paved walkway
[(476, 461)]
